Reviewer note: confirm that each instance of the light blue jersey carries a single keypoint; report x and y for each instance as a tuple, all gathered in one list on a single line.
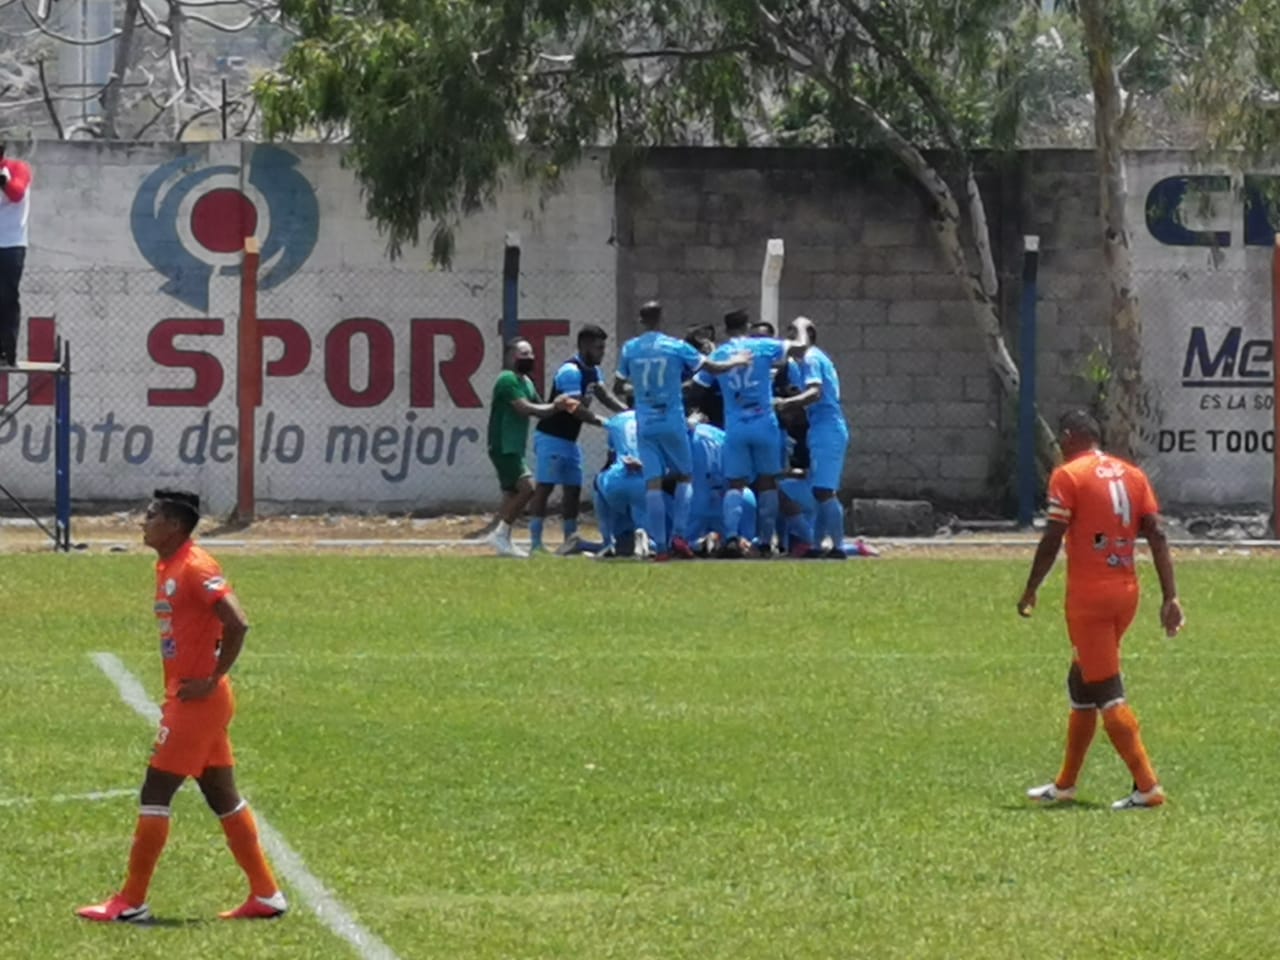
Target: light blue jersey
[(828, 437), (621, 431), (817, 368), (657, 366), (748, 391)]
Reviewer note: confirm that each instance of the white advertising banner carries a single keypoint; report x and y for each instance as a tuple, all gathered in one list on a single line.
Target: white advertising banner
[(377, 374), (1202, 242)]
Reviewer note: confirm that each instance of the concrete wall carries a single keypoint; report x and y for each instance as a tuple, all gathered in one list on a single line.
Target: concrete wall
[(379, 373)]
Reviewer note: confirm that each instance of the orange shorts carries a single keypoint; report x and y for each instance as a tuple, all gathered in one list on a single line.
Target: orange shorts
[(193, 735), (1096, 623)]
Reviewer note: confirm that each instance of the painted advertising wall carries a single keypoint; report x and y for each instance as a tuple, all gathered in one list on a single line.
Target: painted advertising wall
[(1203, 246), (377, 373)]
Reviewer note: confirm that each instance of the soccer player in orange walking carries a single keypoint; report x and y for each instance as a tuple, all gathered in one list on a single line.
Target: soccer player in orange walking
[(1100, 504), (202, 630)]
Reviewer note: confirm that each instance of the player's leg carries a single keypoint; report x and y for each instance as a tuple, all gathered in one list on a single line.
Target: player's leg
[(762, 449), (737, 470), (546, 468), (571, 490), (678, 456), (1100, 664), (800, 507), (748, 527), (515, 480), (603, 514), (827, 448), (179, 744), (218, 784), (538, 514), (655, 507)]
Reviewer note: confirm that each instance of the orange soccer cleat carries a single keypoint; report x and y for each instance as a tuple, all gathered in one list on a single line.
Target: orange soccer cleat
[(115, 910), (259, 908)]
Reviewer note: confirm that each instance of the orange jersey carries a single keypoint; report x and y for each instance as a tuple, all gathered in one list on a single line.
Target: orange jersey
[(1102, 500), (188, 585)]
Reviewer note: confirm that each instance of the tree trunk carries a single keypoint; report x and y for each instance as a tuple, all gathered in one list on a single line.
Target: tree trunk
[(1122, 403), (981, 288), (112, 93)]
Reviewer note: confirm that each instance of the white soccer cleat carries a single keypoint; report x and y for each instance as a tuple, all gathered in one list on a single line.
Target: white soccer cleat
[(504, 547), (570, 545), (642, 544), (1139, 800), (1050, 794)]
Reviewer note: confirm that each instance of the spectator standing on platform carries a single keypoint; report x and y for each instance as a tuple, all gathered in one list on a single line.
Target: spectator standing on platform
[(15, 206)]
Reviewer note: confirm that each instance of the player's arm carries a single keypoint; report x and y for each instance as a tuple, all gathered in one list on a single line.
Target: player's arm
[(741, 359), (540, 411), (15, 178), (1046, 554), (607, 397), (1171, 616), (810, 394), (234, 627)]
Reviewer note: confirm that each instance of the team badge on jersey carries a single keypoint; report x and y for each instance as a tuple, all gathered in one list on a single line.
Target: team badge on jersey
[(170, 587), (214, 584)]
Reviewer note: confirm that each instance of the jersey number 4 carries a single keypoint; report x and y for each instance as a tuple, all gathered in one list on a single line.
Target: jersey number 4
[(1120, 501)]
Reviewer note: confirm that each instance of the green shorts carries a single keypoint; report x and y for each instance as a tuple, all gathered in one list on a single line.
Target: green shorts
[(511, 467)]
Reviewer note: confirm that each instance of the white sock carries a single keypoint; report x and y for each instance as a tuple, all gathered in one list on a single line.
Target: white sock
[(504, 528)]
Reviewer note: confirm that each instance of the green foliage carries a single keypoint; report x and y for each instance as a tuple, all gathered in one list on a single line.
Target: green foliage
[(440, 98)]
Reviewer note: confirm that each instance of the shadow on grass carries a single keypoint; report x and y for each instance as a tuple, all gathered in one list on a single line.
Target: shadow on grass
[(1082, 806), (162, 923)]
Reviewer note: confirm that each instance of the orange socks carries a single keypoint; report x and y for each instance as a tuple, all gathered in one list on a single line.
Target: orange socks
[(242, 837), (1080, 728), (1122, 727), (149, 838)]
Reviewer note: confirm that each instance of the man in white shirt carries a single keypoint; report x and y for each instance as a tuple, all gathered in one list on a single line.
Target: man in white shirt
[(15, 206)]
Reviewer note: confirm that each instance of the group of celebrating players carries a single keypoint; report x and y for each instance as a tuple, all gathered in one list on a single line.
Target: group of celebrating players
[(729, 450)]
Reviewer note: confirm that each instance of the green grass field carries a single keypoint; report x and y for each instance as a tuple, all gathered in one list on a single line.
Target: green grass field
[(560, 759)]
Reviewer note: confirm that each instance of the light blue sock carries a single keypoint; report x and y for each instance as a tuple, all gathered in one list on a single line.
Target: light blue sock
[(535, 532), (569, 526), (799, 529), (602, 519), (732, 512), (656, 508), (832, 513), (684, 506), (767, 514)]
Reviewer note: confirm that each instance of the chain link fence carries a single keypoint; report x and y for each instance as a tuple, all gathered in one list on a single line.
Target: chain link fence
[(1208, 374)]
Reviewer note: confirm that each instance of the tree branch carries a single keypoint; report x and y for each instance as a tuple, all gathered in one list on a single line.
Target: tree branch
[(48, 101), (61, 38)]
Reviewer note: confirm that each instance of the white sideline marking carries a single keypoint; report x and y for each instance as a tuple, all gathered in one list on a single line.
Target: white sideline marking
[(327, 908), (70, 797)]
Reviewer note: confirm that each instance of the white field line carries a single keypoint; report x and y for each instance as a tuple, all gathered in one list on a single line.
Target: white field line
[(89, 797), (327, 908)]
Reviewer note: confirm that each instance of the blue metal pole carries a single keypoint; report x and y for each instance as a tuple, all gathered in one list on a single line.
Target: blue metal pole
[(511, 288), (62, 444), (1027, 485)]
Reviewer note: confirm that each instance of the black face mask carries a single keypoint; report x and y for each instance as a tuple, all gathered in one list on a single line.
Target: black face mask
[(524, 365)]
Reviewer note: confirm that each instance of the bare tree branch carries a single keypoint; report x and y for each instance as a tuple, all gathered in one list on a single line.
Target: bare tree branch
[(48, 101), (124, 55), (61, 38)]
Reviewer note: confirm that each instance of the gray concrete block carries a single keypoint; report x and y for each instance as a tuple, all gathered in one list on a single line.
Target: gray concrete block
[(914, 362), (966, 415), (966, 466), (708, 258), (980, 388), (887, 389), (889, 233), (909, 312), (890, 518), (891, 287), (937, 286), (869, 313)]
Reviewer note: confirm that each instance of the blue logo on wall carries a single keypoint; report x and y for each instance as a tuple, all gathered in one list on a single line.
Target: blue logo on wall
[(190, 219)]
